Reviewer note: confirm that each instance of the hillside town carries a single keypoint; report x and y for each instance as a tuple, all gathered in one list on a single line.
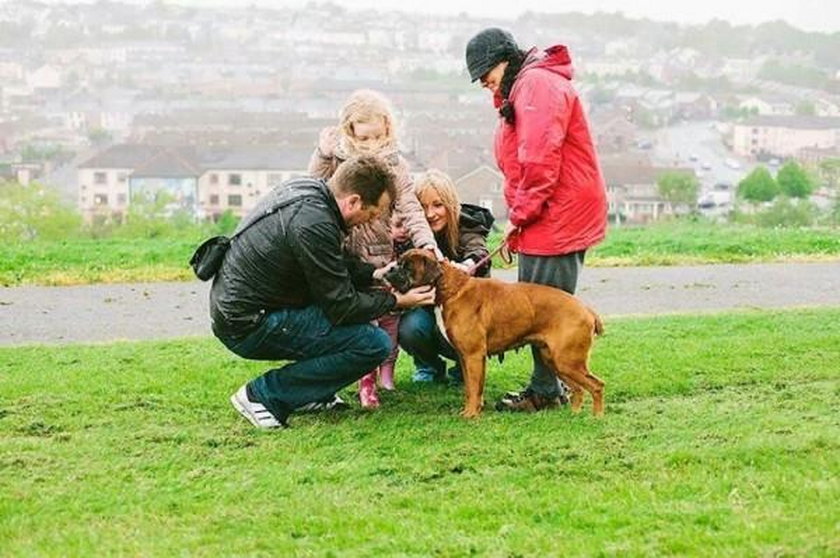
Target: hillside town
[(107, 101)]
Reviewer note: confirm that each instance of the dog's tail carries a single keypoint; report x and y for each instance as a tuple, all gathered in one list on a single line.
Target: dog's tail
[(599, 325)]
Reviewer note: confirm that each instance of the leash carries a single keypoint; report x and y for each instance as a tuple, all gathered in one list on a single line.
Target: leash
[(503, 251)]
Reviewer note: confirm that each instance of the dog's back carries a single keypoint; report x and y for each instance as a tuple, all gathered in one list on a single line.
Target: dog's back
[(515, 314)]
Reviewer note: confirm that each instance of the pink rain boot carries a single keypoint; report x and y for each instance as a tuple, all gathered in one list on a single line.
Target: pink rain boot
[(367, 391), (386, 375)]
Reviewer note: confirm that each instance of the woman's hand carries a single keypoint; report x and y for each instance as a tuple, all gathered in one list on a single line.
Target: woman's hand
[(465, 265), (379, 274), (436, 251), (327, 141), (511, 231)]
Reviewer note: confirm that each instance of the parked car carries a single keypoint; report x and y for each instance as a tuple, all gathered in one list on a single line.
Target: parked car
[(732, 164)]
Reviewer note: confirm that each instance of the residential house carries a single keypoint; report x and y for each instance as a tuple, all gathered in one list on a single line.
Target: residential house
[(815, 155), (768, 106), (694, 106), (170, 170), (646, 107), (741, 69), (26, 172), (610, 67), (784, 136), (103, 180), (632, 192), (613, 131), (234, 179), (824, 106), (11, 71), (204, 182), (45, 77), (484, 186)]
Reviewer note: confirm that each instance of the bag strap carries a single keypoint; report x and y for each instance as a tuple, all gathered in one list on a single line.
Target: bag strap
[(270, 211)]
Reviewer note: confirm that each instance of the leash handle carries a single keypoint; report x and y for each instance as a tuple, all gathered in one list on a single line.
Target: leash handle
[(502, 250)]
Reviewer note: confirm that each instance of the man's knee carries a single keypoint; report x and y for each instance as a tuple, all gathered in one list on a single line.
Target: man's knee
[(382, 343), (373, 344)]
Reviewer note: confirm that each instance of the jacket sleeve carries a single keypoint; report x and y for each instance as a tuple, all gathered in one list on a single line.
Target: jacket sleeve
[(320, 166), (409, 207), (361, 272), (543, 111), (324, 268), (473, 245)]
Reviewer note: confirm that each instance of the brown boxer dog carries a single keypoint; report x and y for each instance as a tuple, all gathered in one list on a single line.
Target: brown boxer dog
[(486, 316)]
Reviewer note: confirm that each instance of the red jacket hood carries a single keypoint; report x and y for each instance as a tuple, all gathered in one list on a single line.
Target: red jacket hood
[(554, 59)]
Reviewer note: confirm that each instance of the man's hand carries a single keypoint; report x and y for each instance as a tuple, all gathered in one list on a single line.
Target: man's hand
[(379, 274), (418, 296)]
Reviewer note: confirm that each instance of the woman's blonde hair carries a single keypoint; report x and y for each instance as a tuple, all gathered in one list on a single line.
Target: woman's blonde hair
[(440, 182), (366, 105)]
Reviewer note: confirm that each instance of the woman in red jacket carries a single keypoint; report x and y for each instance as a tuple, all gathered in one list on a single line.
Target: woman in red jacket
[(553, 187)]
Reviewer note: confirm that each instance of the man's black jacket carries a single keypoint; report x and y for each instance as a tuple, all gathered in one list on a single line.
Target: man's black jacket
[(293, 258)]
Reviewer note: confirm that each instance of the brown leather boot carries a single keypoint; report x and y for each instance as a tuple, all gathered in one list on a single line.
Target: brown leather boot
[(528, 402)]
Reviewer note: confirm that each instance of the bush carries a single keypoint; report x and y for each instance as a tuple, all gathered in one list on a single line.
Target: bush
[(227, 223), (35, 212), (758, 186), (793, 181), (785, 213)]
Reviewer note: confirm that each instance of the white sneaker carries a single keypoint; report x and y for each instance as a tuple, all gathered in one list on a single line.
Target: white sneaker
[(255, 412), (334, 403)]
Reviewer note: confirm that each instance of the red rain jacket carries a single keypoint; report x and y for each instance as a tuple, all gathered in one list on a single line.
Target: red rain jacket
[(553, 183)]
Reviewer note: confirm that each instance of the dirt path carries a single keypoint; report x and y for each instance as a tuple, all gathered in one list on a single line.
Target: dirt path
[(56, 315)]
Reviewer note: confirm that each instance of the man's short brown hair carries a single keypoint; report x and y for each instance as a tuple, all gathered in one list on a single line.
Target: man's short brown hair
[(366, 176)]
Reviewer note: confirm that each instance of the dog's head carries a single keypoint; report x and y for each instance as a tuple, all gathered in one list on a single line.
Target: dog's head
[(416, 268)]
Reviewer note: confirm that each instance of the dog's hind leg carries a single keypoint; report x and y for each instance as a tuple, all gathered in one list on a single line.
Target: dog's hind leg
[(594, 385), (577, 372), (576, 398)]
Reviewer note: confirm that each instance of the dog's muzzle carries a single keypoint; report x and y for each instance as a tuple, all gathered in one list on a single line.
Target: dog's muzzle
[(399, 278)]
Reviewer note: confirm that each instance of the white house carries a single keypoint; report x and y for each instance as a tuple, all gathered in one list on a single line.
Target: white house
[(45, 77), (784, 136)]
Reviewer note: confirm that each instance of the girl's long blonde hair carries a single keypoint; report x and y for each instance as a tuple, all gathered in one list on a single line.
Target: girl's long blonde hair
[(366, 105), (440, 182)]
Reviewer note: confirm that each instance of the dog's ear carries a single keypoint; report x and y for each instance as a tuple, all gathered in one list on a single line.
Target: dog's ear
[(431, 270)]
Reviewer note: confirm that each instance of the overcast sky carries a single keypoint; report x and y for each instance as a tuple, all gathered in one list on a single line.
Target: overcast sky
[(810, 15)]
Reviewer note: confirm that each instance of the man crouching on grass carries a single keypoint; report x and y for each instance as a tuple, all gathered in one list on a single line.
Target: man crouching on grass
[(288, 291)]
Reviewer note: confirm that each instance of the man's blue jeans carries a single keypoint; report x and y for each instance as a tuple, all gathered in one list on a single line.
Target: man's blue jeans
[(326, 357)]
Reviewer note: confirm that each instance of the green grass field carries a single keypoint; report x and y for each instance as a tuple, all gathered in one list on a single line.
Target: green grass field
[(721, 438), (80, 261)]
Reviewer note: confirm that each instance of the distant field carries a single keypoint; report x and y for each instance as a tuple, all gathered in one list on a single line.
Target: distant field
[(163, 259), (694, 243), (721, 438)]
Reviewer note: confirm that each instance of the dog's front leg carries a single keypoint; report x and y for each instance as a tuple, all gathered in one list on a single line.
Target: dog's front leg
[(473, 384)]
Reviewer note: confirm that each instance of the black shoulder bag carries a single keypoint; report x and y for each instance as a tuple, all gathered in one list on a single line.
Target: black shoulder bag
[(208, 257)]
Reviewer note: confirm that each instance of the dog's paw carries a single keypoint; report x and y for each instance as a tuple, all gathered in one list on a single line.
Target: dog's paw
[(470, 413)]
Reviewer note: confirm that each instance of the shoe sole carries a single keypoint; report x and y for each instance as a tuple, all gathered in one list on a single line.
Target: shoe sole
[(244, 412)]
